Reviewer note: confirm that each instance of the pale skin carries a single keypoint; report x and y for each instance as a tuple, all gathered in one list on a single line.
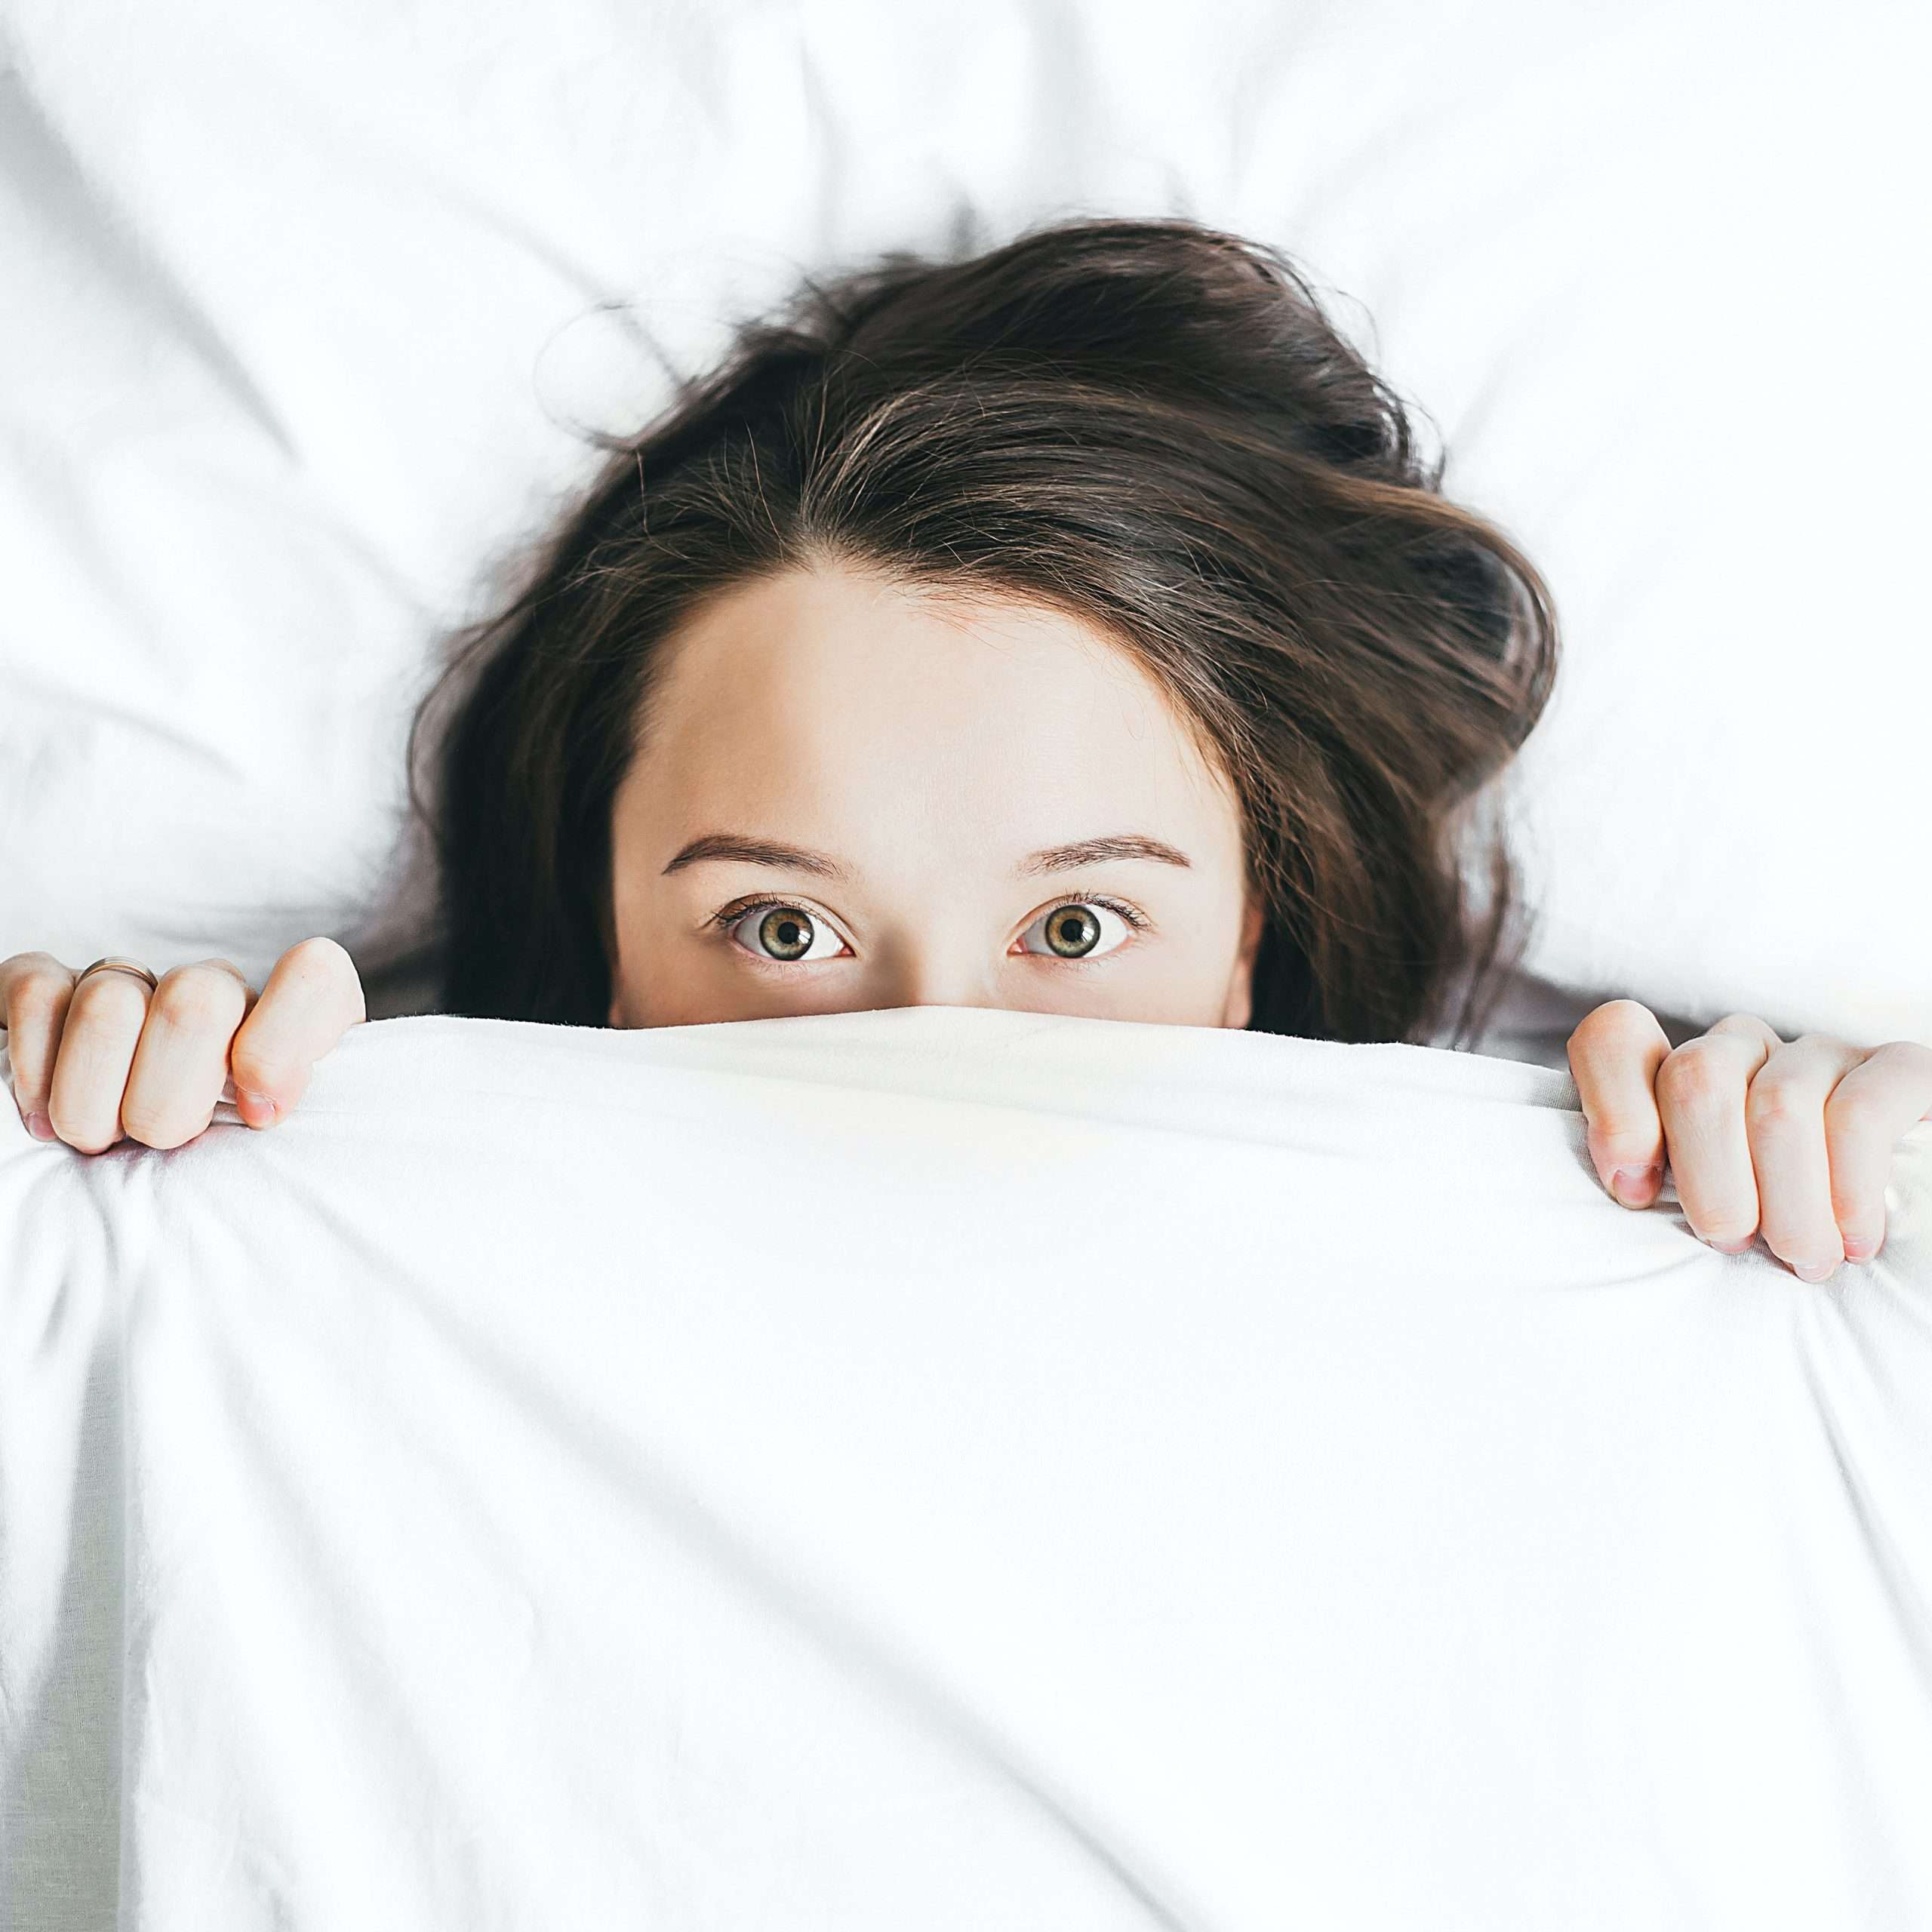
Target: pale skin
[(945, 762)]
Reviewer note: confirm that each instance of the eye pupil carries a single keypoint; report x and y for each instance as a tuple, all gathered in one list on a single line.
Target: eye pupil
[(784, 930), (1085, 931)]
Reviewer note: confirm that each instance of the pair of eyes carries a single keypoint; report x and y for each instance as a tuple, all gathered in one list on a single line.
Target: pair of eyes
[(783, 932)]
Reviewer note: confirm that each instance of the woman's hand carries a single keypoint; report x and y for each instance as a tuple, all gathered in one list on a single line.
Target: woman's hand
[(109, 1057), (1793, 1139)]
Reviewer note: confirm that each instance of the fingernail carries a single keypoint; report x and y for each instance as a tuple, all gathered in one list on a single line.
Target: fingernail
[(1821, 1272), (1856, 1249), (259, 1102), (1633, 1185), (1730, 1247), (40, 1127)]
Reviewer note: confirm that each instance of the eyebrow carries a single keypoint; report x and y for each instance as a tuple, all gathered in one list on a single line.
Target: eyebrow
[(736, 849)]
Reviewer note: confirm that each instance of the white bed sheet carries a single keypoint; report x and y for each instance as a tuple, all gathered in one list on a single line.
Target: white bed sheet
[(945, 1467)]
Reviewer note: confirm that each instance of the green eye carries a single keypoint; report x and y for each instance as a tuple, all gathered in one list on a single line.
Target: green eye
[(1074, 929), (786, 933), (779, 932)]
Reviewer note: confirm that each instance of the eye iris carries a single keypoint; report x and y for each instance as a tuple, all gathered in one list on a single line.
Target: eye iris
[(783, 931), (1077, 926)]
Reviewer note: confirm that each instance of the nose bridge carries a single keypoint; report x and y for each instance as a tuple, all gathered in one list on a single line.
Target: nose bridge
[(933, 968)]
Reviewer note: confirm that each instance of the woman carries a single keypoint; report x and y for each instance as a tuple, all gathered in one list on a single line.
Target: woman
[(1074, 628)]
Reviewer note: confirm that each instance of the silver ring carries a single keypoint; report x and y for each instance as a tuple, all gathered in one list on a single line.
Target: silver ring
[(111, 965)]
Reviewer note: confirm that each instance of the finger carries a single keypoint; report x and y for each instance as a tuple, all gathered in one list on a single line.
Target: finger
[(34, 989), (181, 1057), (1784, 1115), (1615, 1056), (313, 996), (105, 1013), (1868, 1112), (1701, 1091)]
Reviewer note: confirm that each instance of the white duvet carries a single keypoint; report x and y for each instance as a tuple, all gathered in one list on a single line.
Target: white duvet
[(940, 1467)]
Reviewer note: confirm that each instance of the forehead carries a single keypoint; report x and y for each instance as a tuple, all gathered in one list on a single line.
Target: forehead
[(798, 691)]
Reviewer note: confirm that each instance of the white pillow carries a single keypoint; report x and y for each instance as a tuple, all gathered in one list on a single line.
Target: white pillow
[(308, 304), (945, 1468)]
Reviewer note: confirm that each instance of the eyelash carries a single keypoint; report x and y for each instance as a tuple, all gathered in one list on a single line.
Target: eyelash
[(728, 916)]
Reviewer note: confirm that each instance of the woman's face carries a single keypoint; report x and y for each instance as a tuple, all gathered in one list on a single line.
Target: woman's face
[(854, 799)]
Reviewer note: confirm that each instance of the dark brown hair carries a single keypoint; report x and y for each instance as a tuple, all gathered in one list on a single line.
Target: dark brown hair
[(1149, 425)]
